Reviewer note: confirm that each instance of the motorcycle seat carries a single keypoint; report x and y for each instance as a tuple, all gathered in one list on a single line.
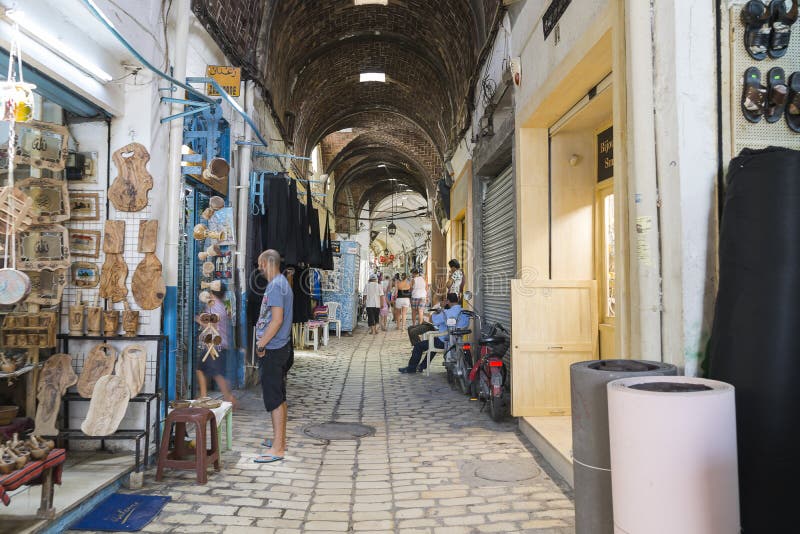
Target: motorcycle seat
[(493, 340), (462, 332)]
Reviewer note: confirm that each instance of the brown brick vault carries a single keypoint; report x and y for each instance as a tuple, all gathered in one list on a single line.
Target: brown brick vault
[(308, 54)]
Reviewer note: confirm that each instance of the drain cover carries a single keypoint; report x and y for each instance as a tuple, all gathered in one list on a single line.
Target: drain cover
[(507, 471), (334, 430)]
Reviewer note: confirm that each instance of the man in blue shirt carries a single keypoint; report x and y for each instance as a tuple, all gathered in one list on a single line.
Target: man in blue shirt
[(274, 348), (439, 320)]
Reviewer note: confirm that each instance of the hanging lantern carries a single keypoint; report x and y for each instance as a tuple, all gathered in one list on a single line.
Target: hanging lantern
[(391, 257), (392, 229), (383, 259)]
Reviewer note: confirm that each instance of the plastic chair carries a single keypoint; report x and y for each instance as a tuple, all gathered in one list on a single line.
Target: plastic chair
[(432, 348), (333, 317)]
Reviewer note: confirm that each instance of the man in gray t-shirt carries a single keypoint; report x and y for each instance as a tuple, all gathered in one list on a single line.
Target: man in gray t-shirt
[(274, 348)]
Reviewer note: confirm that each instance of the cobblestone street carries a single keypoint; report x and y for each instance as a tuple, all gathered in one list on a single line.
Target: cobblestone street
[(428, 468)]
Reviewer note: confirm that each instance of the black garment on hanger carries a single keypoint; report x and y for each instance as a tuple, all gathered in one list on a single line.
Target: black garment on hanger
[(314, 243), (277, 192), (292, 255), (302, 295), (755, 340), (327, 250), (254, 282)]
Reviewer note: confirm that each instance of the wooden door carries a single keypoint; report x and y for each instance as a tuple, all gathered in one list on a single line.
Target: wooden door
[(554, 326)]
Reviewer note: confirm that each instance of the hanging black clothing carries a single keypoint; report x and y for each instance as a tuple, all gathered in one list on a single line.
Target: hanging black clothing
[(277, 193), (302, 295), (755, 339), (292, 254), (314, 241), (327, 250)]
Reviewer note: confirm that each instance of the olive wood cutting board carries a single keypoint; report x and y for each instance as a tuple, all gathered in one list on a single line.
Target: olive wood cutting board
[(115, 270), (107, 407), (97, 364), (56, 376), (131, 366), (114, 240), (148, 286), (129, 190)]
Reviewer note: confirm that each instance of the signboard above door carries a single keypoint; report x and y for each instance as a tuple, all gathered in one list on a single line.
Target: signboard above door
[(229, 78), (605, 154)]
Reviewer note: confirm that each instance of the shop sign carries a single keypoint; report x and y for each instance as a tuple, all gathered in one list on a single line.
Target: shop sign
[(229, 78), (605, 154), (553, 15)]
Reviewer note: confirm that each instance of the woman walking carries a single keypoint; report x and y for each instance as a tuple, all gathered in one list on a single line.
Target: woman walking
[(419, 297), (403, 300), (395, 311)]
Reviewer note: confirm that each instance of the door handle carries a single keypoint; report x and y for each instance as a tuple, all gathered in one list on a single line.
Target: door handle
[(555, 347)]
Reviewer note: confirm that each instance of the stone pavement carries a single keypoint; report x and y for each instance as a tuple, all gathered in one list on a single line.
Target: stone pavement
[(435, 464)]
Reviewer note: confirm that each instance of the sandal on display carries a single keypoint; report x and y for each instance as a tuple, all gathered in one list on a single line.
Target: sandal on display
[(777, 94), (753, 95), (781, 21), (756, 19), (793, 105)]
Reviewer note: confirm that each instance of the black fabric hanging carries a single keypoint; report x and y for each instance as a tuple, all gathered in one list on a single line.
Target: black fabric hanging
[(302, 295), (305, 238), (314, 242), (255, 283), (755, 340), (277, 192), (327, 250), (292, 253)]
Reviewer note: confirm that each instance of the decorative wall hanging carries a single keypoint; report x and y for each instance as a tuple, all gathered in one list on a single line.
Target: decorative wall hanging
[(84, 206), (50, 199), (15, 209), (148, 286), (98, 363), (85, 274), (42, 145), (107, 407), (129, 190), (85, 243), (57, 375), (115, 270), (43, 247), (47, 286)]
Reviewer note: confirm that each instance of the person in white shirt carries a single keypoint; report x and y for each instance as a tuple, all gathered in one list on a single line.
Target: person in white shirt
[(455, 282), (419, 297), (375, 297)]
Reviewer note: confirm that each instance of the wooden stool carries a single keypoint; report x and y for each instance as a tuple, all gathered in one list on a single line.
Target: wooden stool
[(176, 458)]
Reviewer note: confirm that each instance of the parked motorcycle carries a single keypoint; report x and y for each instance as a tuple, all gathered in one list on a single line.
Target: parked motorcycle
[(489, 376)]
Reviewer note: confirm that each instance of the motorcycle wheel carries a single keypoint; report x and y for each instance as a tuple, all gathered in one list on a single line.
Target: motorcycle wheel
[(497, 408), (474, 389), (450, 377)]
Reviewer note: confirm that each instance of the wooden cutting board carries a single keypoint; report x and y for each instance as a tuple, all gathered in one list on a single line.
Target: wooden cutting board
[(56, 376), (131, 366), (97, 364), (148, 286), (114, 242), (107, 407), (148, 235), (129, 190), (112, 278)]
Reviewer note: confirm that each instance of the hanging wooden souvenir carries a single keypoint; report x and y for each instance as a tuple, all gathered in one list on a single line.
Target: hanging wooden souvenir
[(42, 145), (94, 320), (17, 100), (148, 286), (29, 330), (50, 199), (14, 286), (43, 247), (129, 190), (47, 286), (130, 321), (201, 233), (85, 243), (215, 285), (84, 206), (115, 271), (110, 322), (108, 406), (76, 319), (215, 204), (131, 366), (85, 274), (15, 207), (98, 363)]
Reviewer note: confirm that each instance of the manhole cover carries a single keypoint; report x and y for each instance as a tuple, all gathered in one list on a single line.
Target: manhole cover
[(507, 471), (333, 430)]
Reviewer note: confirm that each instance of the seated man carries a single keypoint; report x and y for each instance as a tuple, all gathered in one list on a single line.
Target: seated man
[(439, 320)]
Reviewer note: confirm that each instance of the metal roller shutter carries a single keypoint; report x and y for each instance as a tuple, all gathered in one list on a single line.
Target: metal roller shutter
[(499, 247)]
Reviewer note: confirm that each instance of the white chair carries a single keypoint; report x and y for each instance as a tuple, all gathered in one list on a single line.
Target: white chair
[(333, 317), (311, 336), (432, 348)]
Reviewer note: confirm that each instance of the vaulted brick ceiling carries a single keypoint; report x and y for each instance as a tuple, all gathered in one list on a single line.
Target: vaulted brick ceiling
[(308, 57)]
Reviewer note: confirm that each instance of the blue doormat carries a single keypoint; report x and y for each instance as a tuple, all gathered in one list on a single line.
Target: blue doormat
[(122, 513)]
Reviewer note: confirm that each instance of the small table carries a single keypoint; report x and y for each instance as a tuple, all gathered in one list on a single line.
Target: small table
[(49, 470)]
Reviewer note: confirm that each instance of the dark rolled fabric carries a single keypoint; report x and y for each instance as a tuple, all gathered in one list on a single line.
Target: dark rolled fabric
[(594, 512), (755, 340)]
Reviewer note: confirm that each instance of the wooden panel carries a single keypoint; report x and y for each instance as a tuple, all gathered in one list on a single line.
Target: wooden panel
[(114, 242), (608, 349), (555, 325)]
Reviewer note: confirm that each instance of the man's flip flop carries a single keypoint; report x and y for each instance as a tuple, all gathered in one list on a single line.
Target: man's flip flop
[(781, 21), (756, 19), (267, 459), (777, 94), (754, 95), (793, 105), (266, 443)]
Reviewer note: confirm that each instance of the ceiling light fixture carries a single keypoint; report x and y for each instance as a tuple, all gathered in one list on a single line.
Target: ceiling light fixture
[(371, 2), (57, 46), (373, 77)]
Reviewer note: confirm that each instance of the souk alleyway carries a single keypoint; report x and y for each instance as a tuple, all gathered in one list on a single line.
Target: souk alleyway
[(425, 470)]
